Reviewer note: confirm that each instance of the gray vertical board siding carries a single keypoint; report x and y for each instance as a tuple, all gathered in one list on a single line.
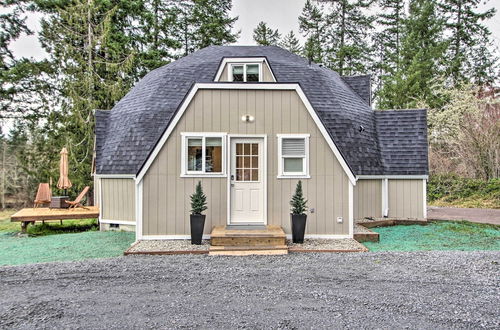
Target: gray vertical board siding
[(166, 195), (406, 198), (118, 199), (368, 199)]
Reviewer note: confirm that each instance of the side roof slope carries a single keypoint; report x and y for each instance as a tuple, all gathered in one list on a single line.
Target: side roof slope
[(136, 123)]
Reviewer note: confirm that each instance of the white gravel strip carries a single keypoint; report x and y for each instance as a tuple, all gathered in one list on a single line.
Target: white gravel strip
[(169, 246), (346, 244)]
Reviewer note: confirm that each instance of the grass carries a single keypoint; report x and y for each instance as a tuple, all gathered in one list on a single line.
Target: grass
[(73, 240), (437, 235)]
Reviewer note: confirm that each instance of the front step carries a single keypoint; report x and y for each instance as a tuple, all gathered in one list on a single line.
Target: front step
[(270, 236), (247, 250)]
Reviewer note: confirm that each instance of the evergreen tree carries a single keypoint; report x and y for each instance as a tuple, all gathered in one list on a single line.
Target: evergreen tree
[(91, 53), (265, 36), (312, 25), (298, 202), (387, 42), (422, 50), (470, 58), (349, 51), (291, 43), (198, 200), (21, 84), (212, 24)]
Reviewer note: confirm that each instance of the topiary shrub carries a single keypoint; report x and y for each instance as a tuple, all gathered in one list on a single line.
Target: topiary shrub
[(298, 203), (198, 200)]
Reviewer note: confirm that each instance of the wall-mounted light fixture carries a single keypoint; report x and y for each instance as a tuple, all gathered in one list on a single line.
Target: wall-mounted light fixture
[(247, 118)]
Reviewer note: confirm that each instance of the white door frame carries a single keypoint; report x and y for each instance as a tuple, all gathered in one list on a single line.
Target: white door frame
[(264, 171)]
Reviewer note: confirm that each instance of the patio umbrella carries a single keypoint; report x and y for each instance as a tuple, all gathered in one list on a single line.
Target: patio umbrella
[(64, 182)]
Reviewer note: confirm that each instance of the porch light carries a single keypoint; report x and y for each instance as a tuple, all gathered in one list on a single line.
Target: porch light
[(247, 118)]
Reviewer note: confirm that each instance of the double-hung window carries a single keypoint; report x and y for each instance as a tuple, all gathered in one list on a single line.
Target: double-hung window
[(245, 72), (293, 153), (203, 154)]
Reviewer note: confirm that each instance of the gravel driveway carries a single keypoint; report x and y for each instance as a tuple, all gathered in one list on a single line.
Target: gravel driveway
[(351, 290)]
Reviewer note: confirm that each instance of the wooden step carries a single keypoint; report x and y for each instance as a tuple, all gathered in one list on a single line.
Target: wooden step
[(247, 250), (271, 236)]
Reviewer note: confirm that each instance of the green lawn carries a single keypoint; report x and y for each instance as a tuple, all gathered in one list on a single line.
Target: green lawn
[(73, 240), (437, 235)]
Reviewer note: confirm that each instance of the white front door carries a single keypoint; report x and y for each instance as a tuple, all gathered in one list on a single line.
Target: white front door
[(247, 181)]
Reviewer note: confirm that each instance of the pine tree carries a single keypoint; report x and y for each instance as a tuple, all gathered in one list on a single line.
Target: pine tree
[(349, 51), (291, 43), (21, 84), (422, 50), (198, 200), (265, 36), (470, 57), (312, 25), (298, 203), (93, 59), (212, 24), (387, 42)]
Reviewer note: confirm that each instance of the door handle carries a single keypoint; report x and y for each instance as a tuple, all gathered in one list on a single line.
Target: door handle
[(232, 177)]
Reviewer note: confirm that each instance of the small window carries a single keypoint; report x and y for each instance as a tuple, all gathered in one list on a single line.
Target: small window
[(245, 72), (203, 154), (293, 155)]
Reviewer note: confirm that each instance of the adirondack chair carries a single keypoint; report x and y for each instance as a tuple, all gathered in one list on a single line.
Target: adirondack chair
[(78, 200), (43, 195)]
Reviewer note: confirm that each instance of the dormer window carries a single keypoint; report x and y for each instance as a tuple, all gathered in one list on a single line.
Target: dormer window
[(245, 72)]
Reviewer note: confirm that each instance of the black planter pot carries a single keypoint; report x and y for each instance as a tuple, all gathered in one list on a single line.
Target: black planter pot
[(197, 225), (298, 227)]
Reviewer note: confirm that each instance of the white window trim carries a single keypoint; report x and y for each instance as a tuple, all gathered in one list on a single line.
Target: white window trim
[(227, 60), (244, 64), (305, 173), (198, 174)]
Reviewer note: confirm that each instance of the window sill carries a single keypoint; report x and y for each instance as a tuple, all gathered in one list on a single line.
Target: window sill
[(293, 176), (203, 175)]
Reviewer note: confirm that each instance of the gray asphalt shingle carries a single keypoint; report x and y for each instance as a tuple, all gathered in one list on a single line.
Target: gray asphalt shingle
[(128, 133)]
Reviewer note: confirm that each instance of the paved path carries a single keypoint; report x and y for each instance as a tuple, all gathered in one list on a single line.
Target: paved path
[(418, 290), (491, 216)]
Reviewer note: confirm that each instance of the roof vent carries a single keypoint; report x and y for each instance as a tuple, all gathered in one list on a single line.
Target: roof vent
[(361, 128)]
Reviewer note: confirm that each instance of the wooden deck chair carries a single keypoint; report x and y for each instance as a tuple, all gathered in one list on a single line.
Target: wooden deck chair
[(43, 195), (78, 200)]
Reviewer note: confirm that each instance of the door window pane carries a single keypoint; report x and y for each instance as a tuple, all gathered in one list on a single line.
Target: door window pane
[(247, 163), (293, 165), (252, 72), (194, 161), (237, 72), (213, 154)]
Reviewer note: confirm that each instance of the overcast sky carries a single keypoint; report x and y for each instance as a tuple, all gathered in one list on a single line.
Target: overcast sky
[(278, 14)]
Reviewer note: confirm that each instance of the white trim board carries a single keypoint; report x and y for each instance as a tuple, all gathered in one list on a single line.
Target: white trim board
[(115, 176), (118, 222), (245, 86)]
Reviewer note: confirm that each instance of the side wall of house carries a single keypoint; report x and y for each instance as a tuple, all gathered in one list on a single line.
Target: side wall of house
[(266, 73), (406, 198), (118, 199), (368, 199), (166, 195)]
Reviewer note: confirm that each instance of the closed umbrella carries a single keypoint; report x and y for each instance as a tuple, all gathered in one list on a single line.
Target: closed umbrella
[(64, 182)]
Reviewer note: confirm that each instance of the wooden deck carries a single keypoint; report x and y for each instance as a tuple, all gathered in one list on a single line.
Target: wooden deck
[(27, 215)]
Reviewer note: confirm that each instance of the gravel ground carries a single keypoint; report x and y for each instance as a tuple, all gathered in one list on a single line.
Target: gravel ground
[(169, 245), (327, 244), (358, 229), (315, 290)]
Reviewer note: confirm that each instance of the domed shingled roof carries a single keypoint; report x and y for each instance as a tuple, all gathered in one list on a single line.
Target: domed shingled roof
[(126, 135)]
